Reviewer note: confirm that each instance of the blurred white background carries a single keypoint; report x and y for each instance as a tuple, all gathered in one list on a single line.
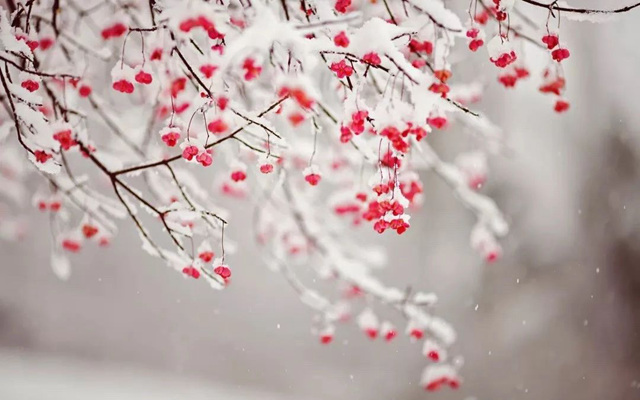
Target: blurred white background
[(557, 318)]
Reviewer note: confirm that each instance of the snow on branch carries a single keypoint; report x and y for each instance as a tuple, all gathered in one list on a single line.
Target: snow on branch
[(319, 114)]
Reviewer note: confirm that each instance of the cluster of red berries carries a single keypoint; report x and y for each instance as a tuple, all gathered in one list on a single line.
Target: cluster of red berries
[(298, 94), (411, 188), (416, 46), (65, 138), (73, 244), (301, 98), (201, 22), (559, 54), (53, 205), (342, 69), (170, 136), (251, 70), (399, 138), (475, 42), (386, 211), (555, 85), (505, 59), (206, 256), (510, 78), (123, 84), (32, 44), (440, 86), (84, 89), (202, 156), (355, 126)]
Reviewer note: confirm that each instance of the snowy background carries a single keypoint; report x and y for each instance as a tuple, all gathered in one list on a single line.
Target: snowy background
[(557, 318)]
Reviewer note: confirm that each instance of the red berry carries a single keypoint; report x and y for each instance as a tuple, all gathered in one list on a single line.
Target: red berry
[(115, 30), (84, 90), (326, 338), (341, 69), (222, 102), (30, 85), (204, 159), (123, 86), (206, 256), (372, 59), (561, 106), (417, 47), (144, 78), (156, 54), (550, 40), (251, 71), (312, 179), (46, 43), (345, 134), (432, 386), (475, 44), (508, 80), (296, 118), (217, 126), (560, 54), (416, 333), (171, 138), (214, 34), (300, 96), (341, 39), (188, 24), (390, 335), (71, 245), (208, 70), (492, 256), (434, 355), (65, 139), (342, 5), (189, 152), (178, 86), (505, 59), (89, 231), (437, 122), (33, 44), (223, 271), (41, 156), (482, 18), (238, 176), (192, 272), (521, 72)]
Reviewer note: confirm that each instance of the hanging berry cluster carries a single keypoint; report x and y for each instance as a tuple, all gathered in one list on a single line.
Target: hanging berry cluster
[(316, 114)]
